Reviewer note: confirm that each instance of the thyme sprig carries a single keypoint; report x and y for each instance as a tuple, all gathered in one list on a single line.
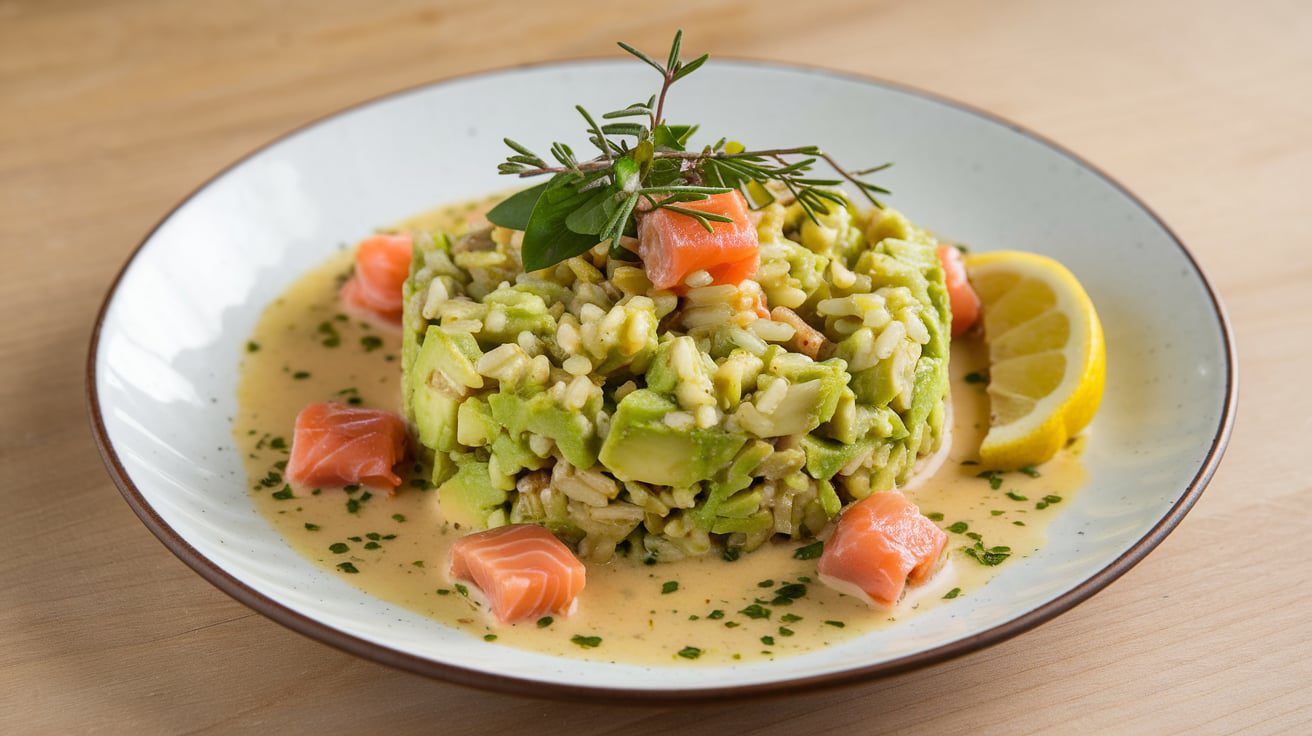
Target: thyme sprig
[(647, 164)]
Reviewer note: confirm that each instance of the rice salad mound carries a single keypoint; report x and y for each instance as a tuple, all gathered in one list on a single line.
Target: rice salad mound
[(662, 425)]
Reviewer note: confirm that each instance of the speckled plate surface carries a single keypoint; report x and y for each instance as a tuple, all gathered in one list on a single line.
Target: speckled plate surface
[(163, 364)]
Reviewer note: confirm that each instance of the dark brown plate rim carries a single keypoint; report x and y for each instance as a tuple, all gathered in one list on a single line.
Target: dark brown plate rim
[(542, 689)]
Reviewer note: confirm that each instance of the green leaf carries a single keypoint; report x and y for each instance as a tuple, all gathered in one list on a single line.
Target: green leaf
[(672, 137), (547, 239), (691, 67), (633, 129), (595, 213), (514, 211)]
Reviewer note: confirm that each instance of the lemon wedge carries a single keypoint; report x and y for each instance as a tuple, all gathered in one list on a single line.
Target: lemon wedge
[(1047, 360)]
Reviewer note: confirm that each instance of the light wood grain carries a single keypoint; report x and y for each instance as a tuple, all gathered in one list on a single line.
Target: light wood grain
[(112, 111)]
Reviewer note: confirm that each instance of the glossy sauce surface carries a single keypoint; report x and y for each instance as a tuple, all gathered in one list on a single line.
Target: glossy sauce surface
[(306, 349)]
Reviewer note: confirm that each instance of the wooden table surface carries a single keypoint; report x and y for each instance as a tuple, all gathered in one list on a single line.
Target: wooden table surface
[(113, 111)]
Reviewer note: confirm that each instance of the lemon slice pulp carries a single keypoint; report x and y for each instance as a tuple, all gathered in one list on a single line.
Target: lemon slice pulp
[(1047, 359)]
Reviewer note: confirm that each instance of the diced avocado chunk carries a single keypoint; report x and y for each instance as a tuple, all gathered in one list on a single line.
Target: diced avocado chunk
[(513, 455), (741, 505), (512, 310), (663, 376), (829, 499), (814, 391), (641, 446), (468, 498), (824, 458), (441, 378), (574, 435), (734, 479), (475, 426), (931, 385)]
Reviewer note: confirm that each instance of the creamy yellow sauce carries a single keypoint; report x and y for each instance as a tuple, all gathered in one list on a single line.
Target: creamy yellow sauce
[(306, 349)]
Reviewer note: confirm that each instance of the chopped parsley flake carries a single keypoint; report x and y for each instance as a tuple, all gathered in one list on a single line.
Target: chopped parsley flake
[(716, 614), (791, 591), (690, 652), (836, 624), (1016, 496), (809, 552), (461, 589), (756, 610), (398, 517), (587, 642), (767, 640), (284, 494), (785, 631), (489, 637), (347, 567), (311, 527), (959, 527), (300, 375), (669, 586), (952, 594), (993, 477), (545, 621), (371, 343), (789, 618), (252, 347), (731, 554), (989, 556), (934, 516), (1030, 471), (765, 584), (338, 548), (373, 545)]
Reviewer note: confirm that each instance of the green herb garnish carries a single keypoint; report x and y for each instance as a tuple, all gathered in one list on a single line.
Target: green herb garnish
[(643, 160), (669, 586), (836, 624), (993, 477), (1030, 471), (338, 548), (989, 556), (545, 621), (756, 610), (283, 494), (690, 652), (371, 343), (811, 551), (587, 642), (959, 527), (311, 527), (716, 614), (347, 567), (1016, 496), (489, 637), (952, 593)]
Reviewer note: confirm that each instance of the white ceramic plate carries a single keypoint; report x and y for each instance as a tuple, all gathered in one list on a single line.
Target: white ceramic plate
[(164, 355)]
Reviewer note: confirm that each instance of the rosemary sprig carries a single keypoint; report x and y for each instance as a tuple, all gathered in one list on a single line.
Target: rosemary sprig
[(593, 201)]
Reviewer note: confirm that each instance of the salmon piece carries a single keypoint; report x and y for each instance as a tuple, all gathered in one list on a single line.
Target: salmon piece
[(961, 295), (382, 264), (880, 544), (672, 245), (524, 571), (336, 445)]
